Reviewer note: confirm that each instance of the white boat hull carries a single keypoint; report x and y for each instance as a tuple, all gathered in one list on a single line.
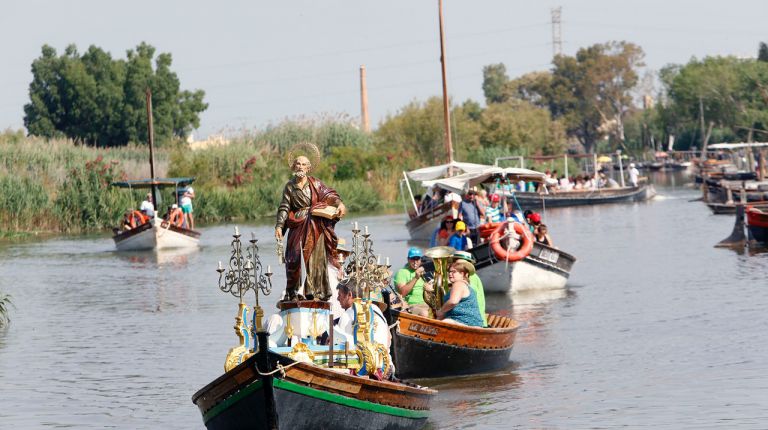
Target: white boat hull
[(523, 275), (156, 237)]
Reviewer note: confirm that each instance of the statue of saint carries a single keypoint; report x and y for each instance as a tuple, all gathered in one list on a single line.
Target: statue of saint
[(311, 244)]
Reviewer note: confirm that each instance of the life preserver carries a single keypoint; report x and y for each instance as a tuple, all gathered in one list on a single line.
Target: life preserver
[(485, 230), (525, 248), (176, 217), (137, 218)]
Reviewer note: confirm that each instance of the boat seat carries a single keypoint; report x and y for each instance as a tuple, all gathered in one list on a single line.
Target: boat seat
[(498, 321), (492, 320)]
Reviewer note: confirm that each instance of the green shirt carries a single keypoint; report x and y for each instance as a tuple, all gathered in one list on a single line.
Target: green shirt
[(404, 276), (477, 285)]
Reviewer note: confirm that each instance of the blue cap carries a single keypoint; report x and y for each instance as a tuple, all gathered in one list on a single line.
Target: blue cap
[(414, 252)]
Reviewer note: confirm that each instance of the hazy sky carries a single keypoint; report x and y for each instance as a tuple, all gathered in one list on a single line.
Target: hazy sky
[(260, 62)]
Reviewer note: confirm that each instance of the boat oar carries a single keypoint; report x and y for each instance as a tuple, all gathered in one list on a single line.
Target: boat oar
[(737, 238)]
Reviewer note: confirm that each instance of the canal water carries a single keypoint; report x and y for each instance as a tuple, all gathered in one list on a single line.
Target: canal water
[(657, 328)]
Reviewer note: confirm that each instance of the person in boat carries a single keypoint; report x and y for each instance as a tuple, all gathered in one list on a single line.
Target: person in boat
[(634, 174), (455, 201), (311, 242), (474, 282), (471, 215), (126, 225), (147, 207), (460, 239), (542, 235), (409, 282), (460, 304), (494, 212), (443, 234), (336, 275), (186, 207), (534, 220)]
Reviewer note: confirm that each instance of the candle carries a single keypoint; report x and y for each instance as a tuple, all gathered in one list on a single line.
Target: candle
[(355, 226), (220, 266), (269, 268), (253, 235), (237, 232), (378, 259), (386, 261), (366, 229)]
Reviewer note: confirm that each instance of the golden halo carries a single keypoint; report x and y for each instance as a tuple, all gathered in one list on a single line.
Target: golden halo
[(307, 149)]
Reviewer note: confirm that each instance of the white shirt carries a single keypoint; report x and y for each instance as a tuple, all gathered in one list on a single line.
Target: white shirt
[(148, 208), (633, 174)]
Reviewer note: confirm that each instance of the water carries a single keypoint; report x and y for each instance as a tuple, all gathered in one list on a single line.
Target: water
[(657, 329)]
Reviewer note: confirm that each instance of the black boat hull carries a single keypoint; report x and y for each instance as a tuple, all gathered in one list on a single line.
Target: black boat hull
[(419, 358), (299, 408)]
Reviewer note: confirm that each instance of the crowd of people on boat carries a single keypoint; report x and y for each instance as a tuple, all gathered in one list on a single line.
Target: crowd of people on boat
[(178, 214)]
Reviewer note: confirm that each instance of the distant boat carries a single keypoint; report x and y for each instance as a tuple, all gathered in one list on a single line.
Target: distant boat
[(156, 233), (597, 196), (757, 224)]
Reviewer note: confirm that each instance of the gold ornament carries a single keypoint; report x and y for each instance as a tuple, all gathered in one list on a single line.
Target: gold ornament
[(307, 149)]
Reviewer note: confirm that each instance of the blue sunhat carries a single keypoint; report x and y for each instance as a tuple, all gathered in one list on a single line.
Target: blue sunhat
[(414, 253)]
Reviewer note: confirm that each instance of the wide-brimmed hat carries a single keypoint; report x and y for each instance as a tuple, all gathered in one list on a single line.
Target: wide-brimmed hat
[(463, 255)]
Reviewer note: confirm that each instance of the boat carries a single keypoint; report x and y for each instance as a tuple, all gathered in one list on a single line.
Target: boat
[(757, 225), (724, 180), (429, 348), (597, 196), (543, 268), (155, 233), (422, 223), (288, 378)]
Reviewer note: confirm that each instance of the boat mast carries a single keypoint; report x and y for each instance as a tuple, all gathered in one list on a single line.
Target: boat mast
[(446, 111), (151, 133)]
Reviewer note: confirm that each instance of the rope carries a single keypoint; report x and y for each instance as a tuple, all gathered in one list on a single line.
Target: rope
[(280, 368), (396, 324), (161, 232)]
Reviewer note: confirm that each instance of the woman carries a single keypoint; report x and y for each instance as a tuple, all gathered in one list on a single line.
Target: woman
[(542, 235), (443, 234), (460, 305)]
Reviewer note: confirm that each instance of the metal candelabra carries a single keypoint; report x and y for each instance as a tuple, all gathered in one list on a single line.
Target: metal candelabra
[(364, 266), (245, 272)]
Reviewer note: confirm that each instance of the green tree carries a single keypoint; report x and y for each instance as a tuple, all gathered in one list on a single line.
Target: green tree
[(762, 52), (96, 100), (494, 79)]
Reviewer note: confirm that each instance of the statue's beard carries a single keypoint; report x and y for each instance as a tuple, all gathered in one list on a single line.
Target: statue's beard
[(300, 174)]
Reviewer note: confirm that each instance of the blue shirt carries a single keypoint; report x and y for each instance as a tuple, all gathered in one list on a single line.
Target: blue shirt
[(469, 214), (458, 242)]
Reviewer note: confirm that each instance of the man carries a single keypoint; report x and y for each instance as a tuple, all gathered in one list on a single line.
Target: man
[(336, 275), (410, 283), (470, 214), (186, 207), (474, 282), (633, 174), (147, 207), (494, 213), (311, 238)]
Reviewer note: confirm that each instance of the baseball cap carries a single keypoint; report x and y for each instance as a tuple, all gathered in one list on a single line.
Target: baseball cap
[(495, 198), (414, 253), (464, 255), (461, 226)]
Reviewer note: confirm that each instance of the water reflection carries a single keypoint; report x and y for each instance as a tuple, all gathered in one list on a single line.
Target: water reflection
[(176, 258)]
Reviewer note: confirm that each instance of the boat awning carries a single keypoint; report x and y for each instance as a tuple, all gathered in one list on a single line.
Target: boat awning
[(462, 183), (159, 182), (441, 171), (737, 145)]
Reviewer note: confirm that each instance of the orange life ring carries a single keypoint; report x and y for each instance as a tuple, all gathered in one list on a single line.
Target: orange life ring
[(137, 218), (525, 247), (176, 217), (485, 230)]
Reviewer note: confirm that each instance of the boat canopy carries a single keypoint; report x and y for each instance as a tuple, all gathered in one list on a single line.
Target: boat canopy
[(158, 182), (462, 183), (737, 145), (441, 171)]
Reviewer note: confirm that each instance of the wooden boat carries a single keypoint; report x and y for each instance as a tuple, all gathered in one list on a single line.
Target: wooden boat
[(544, 268), (429, 348), (640, 193), (304, 396), (301, 383), (156, 233), (757, 224)]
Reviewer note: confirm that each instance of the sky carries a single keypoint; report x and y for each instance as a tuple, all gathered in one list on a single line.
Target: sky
[(260, 62)]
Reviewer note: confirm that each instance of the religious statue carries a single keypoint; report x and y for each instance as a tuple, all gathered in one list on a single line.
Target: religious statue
[(307, 212)]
